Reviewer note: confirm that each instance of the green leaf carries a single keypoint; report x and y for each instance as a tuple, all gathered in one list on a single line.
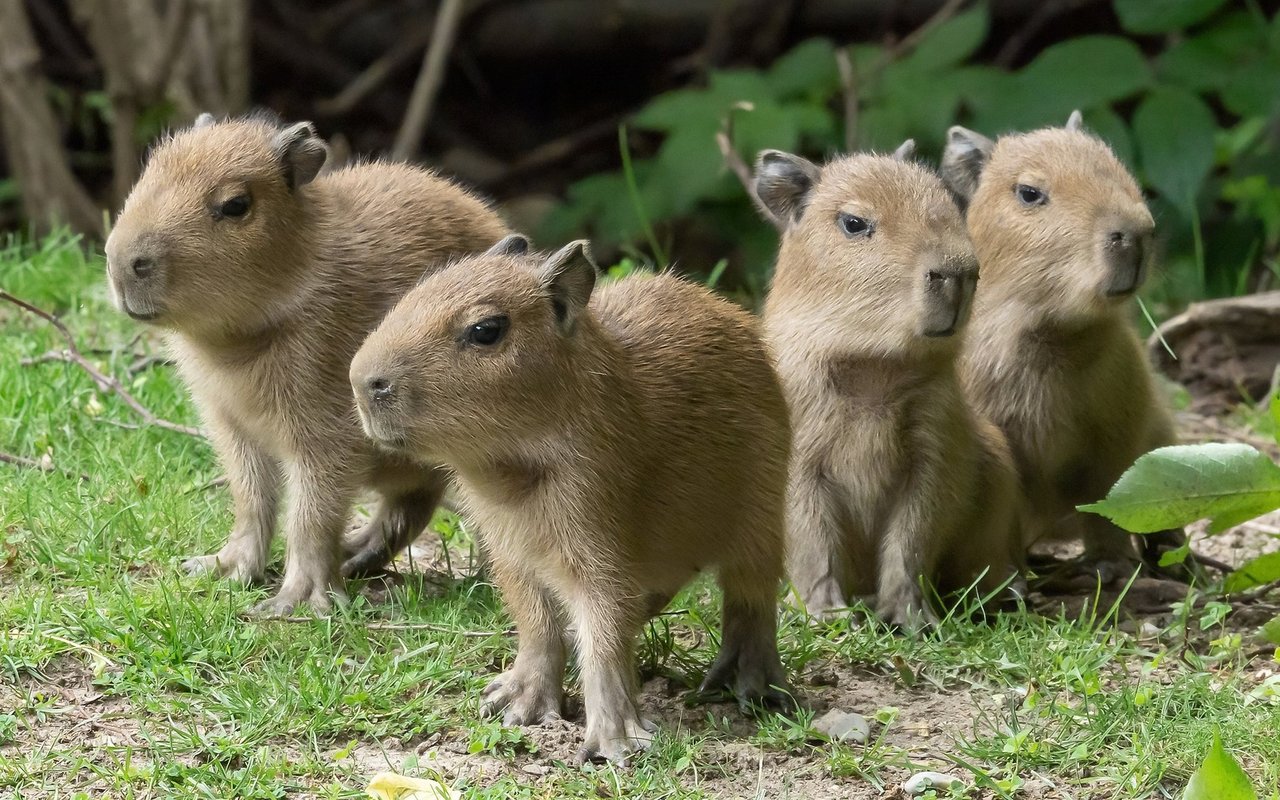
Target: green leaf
[(808, 69), (1162, 16), (1273, 405), (1219, 777), (1085, 72), (669, 111), (1259, 571), (1271, 631), (1174, 486), (1110, 128), (953, 41), (1211, 59), (1175, 165), (1175, 556)]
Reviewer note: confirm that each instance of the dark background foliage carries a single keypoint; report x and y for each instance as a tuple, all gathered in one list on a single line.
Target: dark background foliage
[(600, 117)]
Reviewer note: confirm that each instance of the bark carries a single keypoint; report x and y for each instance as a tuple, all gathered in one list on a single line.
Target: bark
[(51, 194), (1227, 350)]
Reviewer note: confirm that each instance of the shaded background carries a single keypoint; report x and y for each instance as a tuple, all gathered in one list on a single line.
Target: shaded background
[(600, 117)]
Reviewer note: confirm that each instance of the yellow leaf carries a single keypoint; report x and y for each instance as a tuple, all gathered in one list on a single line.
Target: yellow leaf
[(390, 786)]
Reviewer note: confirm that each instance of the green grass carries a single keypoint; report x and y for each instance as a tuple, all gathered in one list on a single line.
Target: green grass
[(121, 678)]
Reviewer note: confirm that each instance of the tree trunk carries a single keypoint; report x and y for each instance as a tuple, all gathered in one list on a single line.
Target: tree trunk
[(51, 195)]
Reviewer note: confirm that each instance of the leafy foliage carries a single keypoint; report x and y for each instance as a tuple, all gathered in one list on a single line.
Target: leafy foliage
[(1193, 112), (1219, 778), (1175, 486)]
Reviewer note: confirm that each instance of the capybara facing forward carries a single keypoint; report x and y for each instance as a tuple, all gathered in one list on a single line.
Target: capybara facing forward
[(1064, 240), (266, 276), (610, 444), (897, 486)]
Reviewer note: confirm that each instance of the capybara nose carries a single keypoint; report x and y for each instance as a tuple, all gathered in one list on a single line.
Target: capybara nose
[(1126, 254), (379, 389), (142, 267)]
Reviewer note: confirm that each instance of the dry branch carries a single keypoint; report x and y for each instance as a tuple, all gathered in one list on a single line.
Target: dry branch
[(430, 78), (724, 140), (106, 383), (43, 465)]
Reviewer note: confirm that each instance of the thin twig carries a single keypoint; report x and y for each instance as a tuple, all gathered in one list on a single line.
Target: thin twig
[(908, 42), (176, 26), (724, 139), (375, 74), (849, 89), (410, 626), (430, 78), (106, 383), (43, 466)]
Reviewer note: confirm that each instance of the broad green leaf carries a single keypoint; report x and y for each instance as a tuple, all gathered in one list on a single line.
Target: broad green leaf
[(1271, 631), (1081, 73), (1162, 16), (953, 41), (1212, 58), (1273, 405), (808, 69), (1219, 777), (1174, 486), (1254, 90), (1261, 570), (1175, 166), (1109, 127), (1175, 556), (669, 111)]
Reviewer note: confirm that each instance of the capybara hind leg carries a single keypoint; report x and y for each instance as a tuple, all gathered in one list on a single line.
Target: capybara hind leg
[(399, 520), (748, 664)]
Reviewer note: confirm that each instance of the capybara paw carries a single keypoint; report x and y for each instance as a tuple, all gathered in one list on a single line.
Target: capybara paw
[(223, 564), (617, 741), (366, 563), (755, 681), (824, 600), (1110, 570), (907, 613), (521, 701), (319, 598)]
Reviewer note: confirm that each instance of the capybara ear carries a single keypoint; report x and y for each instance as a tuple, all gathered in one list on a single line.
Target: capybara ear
[(1075, 122), (963, 159), (203, 121), (301, 152), (783, 183), (569, 275), (906, 151), (515, 244)]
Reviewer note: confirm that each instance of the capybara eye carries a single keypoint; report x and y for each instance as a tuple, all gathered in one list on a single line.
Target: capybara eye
[(488, 332), (1030, 195), (853, 226), (237, 206)]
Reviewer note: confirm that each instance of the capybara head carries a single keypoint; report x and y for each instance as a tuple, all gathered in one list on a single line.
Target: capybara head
[(209, 235), (873, 250), (1055, 218), (478, 355)]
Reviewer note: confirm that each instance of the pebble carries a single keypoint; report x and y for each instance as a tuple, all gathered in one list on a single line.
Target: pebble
[(843, 726)]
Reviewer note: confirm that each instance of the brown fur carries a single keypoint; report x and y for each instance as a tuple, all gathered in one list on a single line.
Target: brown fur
[(609, 452), (264, 312), (893, 478), (1051, 355)]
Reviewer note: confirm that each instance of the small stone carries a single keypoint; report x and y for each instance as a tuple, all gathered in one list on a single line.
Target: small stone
[(535, 769), (843, 726), (922, 782)]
